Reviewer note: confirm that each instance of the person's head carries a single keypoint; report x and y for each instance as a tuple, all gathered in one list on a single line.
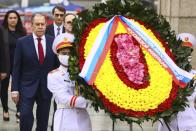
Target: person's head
[(38, 24), (68, 22), (188, 40), (62, 46), (12, 20), (58, 13)]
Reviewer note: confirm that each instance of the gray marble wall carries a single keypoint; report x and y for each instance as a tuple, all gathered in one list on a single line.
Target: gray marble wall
[(181, 14)]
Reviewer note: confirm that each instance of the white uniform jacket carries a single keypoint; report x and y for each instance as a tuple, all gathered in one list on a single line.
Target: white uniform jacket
[(71, 114), (185, 120)]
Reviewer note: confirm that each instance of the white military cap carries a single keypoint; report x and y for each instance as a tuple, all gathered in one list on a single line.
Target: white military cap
[(188, 39), (62, 41)]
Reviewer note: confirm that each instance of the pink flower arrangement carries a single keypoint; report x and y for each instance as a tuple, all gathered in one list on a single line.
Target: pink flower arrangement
[(128, 55)]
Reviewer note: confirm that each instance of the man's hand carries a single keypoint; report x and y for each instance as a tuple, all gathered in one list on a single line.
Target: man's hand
[(15, 97), (3, 75)]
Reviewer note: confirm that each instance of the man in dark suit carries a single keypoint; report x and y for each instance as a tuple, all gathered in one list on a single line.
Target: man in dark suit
[(4, 57), (33, 60), (57, 27)]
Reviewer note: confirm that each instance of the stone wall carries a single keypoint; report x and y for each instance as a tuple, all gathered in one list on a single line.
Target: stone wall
[(181, 14)]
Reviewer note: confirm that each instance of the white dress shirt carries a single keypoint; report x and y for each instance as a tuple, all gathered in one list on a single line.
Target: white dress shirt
[(43, 42), (55, 29)]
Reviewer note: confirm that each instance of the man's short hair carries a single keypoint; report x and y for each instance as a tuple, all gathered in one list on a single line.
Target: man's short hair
[(36, 14), (61, 8)]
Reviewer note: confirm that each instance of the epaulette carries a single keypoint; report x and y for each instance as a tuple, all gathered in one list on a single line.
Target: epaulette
[(55, 70)]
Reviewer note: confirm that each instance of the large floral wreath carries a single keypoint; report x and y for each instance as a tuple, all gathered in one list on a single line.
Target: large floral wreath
[(130, 86)]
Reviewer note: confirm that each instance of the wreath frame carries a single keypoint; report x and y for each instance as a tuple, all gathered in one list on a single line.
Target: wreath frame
[(158, 24)]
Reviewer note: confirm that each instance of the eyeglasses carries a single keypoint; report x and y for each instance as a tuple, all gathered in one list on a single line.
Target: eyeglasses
[(69, 22), (57, 15)]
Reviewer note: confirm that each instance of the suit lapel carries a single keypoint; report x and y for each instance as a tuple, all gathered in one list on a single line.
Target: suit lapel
[(32, 48), (47, 49), (53, 34), (63, 29)]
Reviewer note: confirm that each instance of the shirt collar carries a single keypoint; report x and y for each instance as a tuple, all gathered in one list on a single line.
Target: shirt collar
[(55, 26), (35, 37), (63, 69)]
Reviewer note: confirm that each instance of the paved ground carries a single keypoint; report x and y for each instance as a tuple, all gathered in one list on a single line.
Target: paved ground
[(100, 122)]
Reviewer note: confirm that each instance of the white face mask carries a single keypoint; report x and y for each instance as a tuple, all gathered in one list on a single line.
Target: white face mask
[(64, 59)]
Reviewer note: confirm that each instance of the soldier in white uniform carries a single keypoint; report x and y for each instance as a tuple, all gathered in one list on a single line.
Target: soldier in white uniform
[(71, 114), (185, 120)]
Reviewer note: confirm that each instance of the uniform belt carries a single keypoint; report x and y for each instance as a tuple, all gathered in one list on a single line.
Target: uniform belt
[(63, 106)]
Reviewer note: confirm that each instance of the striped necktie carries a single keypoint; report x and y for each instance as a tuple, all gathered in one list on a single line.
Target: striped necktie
[(58, 31)]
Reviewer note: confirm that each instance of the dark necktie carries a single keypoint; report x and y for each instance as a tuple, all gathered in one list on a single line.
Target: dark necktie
[(58, 31), (40, 51)]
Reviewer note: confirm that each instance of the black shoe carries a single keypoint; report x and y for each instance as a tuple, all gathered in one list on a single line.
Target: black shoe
[(6, 118), (17, 117), (51, 128)]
